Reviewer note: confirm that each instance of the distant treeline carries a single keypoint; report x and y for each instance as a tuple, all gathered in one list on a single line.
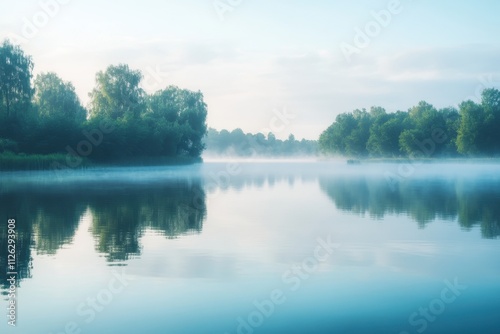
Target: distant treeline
[(422, 132), (122, 122), (237, 143)]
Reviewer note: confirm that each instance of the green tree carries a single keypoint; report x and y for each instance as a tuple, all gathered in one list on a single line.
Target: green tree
[(15, 79), (348, 135), (56, 99), (332, 140), (117, 94), (192, 121), (452, 123), (488, 136), (180, 117), (15, 92), (59, 116), (424, 119), (472, 118), (356, 141), (384, 134)]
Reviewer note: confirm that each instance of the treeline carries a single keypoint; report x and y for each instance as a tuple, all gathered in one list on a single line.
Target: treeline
[(422, 132), (121, 123), (237, 143)]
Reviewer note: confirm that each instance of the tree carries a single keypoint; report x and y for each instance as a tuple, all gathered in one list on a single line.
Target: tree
[(424, 119), (178, 120), (56, 99), (489, 140), (348, 135), (472, 118), (15, 79), (192, 120), (59, 116), (384, 134), (237, 143), (117, 94), (15, 91), (332, 140), (356, 141), (452, 123)]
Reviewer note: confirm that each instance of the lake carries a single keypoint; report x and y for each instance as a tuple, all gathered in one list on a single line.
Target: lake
[(254, 247)]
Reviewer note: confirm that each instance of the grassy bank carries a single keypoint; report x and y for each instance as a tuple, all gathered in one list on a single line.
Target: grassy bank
[(150, 161), (22, 162), (19, 162)]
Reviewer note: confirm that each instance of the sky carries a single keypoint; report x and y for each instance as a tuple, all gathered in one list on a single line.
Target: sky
[(271, 65)]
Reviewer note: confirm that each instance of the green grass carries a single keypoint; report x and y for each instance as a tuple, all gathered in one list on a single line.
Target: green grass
[(17, 162), (23, 162), (150, 161)]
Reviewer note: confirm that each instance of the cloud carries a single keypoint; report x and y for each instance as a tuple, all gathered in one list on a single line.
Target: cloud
[(243, 86)]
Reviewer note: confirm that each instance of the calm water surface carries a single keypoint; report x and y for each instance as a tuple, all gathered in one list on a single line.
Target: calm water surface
[(262, 247)]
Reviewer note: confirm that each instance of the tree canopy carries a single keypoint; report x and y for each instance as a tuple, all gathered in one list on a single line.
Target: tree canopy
[(47, 117), (423, 130), (238, 143)]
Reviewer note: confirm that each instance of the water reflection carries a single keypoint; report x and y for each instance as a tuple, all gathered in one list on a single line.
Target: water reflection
[(120, 216), (124, 204), (471, 201), (48, 216)]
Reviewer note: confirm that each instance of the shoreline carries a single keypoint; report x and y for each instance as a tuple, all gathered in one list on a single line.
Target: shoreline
[(58, 162)]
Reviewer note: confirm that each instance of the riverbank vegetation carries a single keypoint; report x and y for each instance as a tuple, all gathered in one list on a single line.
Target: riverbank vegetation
[(240, 144), (423, 131), (44, 120)]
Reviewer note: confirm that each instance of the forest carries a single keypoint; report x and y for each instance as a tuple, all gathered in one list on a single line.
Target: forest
[(238, 143), (44, 125), (423, 131), (43, 121)]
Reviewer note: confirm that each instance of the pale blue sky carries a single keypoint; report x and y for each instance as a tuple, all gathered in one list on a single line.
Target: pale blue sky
[(271, 54)]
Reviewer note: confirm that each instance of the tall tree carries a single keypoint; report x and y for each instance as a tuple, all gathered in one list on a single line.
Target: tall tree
[(348, 135), (384, 134), (117, 94), (423, 120), (488, 137), (472, 118), (56, 99), (59, 115), (15, 79), (180, 117)]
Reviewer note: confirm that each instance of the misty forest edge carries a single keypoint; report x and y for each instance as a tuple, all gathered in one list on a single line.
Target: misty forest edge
[(43, 125)]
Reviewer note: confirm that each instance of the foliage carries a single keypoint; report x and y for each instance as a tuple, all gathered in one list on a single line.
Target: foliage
[(49, 119), (11, 162), (422, 131), (237, 143), (15, 76)]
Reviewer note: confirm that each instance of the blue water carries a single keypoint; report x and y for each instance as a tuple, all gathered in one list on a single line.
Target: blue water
[(255, 247)]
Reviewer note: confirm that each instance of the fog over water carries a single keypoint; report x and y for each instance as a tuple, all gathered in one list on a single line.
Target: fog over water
[(220, 236)]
